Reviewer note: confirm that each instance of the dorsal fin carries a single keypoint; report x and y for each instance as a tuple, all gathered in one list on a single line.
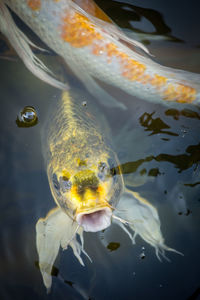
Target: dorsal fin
[(100, 19), (93, 9)]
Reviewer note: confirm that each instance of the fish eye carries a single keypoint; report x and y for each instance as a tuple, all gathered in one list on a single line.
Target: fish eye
[(55, 182), (103, 170), (65, 184), (113, 168), (111, 163), (113, 171), (102, 167)]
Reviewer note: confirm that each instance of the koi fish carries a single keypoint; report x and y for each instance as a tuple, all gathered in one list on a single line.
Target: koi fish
[(94, 49), (87, 185)]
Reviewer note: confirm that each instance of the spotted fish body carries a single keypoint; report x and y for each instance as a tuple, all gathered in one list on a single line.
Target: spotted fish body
[(94, 51), (83, 170)]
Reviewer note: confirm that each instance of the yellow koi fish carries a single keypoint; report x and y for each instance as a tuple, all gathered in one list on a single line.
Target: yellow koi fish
[(94, 49), (87, 185)]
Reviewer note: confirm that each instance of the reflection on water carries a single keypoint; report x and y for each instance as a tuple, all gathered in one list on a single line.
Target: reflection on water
[(136, 14), (176, 114), (160, 158), (155, 125), (112, 246), (181, 162)]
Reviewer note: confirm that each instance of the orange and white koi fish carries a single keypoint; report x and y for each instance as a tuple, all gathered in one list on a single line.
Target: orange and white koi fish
[(94, 48)]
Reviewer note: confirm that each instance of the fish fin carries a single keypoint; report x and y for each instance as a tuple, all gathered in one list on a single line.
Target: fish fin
[(51, 231), (82, 247), (119, 35), (93, 87), (22, 44), (76, 247), (138, 208), (109, 28), (147, 36), (92, 8)]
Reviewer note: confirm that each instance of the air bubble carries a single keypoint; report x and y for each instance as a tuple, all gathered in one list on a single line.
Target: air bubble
[(142, 255), (27, 117)]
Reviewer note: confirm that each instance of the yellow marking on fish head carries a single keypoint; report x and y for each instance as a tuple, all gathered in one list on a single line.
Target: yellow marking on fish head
[(81, 162), (86, 191), (65, 173), (34, 5), (88, 197)]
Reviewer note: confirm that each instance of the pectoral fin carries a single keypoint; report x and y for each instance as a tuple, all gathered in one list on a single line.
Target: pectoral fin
[(143, 219), (56, 230), (108, 26)]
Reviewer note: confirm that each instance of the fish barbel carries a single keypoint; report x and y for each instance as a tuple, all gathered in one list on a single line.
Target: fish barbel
[(95, 49), (87, 185)]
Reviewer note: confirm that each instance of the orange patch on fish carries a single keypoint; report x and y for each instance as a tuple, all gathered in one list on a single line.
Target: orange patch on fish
[(34, 4), (98, 49), (78, 30), (132, 69), (180, 93), (158, 81), (111, 50), (145, 78)]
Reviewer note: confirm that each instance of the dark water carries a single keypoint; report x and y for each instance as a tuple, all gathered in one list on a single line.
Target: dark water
[(159, 149)]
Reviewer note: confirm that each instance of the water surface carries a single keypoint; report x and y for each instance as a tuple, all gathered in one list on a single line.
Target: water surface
[(159, 149)]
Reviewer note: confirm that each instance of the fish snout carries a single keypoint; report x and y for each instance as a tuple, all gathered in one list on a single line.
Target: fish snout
[(95, 220)]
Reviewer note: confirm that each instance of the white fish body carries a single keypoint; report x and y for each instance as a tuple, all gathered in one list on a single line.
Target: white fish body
[(93, 49)]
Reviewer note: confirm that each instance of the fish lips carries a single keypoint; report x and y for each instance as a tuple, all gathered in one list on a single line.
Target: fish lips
[(95, 220)]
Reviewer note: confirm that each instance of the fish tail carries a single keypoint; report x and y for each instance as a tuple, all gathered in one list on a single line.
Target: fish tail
[(22, 44)]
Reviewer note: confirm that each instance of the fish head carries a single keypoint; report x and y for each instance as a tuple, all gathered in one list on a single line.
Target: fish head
[(90, 192)]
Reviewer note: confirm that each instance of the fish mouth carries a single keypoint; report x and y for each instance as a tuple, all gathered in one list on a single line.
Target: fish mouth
[(93, 221)]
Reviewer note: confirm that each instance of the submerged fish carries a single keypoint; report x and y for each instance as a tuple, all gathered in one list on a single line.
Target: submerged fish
[(94, 49), (87, 185), (83, 170)]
